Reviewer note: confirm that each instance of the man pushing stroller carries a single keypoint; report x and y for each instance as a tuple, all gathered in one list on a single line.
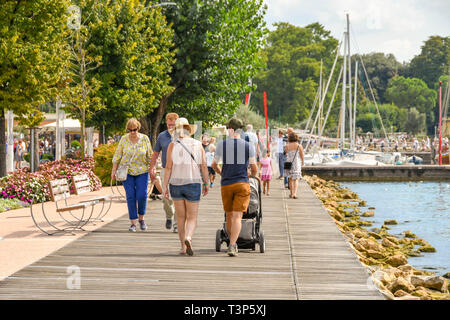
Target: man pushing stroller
[(236, 155)]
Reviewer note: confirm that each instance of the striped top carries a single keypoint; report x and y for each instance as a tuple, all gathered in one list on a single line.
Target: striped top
[(136, 155)]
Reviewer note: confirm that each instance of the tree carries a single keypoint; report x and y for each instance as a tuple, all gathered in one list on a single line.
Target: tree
[(432, 62), (134, 44), (80, 97), (293, 56), (416, 122), (33, 57), (413, 93), (216, 46), (380, 68)]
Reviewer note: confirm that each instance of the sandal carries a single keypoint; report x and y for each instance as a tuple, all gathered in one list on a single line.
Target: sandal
[(188, 244)]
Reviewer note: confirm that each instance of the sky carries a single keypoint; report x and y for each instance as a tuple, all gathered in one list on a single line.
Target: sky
[(399, 27)]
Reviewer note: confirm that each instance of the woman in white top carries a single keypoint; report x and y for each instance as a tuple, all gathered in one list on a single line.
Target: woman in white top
[(185, 172)]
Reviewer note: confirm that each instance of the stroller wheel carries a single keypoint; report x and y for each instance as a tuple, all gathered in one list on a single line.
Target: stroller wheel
[(262, 242), (218, 240)]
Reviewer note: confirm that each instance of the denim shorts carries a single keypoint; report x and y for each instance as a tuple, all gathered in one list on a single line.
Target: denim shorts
[(190, 192)]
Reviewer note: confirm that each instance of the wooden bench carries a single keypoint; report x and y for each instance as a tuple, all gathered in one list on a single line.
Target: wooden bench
[(82, 185), (60, 192)]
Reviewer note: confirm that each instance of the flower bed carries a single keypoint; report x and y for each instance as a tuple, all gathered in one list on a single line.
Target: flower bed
[(33, 187)]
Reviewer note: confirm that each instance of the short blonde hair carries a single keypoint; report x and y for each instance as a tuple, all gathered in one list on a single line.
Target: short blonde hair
[(211, 148), (172, 116), (132, 123)]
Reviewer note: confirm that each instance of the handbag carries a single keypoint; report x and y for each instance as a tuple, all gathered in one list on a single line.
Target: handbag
[(288, 164), (122, 170)]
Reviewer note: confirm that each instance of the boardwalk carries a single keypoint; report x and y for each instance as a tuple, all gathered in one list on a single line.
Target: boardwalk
[(306, 258)]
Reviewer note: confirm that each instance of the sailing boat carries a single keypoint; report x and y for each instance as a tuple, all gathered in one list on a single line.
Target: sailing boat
[(346, 154)]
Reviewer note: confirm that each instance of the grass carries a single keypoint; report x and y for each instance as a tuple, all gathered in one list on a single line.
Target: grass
[(10, 204)]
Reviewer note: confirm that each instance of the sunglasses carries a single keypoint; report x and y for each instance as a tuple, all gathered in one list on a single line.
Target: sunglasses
[(132, 130)]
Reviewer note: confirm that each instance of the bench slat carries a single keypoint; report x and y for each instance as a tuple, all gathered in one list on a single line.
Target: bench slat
[(75, 206)]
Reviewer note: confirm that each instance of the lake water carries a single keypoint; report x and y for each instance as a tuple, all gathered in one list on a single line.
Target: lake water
[(421, 207)]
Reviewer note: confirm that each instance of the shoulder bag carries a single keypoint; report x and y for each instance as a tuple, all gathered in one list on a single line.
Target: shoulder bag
[(122, 169), (288, 164)]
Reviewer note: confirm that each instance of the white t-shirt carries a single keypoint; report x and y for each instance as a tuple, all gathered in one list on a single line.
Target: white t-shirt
[(186, 170), (209, 158)]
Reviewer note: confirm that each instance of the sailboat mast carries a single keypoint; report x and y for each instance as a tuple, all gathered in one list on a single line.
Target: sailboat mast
[(350, 109), (344, 85), (354, 102)]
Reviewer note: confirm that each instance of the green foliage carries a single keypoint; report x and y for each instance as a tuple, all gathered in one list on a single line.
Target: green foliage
[(392, 116), (380, 68), (103, 162), (249, 116), (10, 204), (133, 45), (416, 122), (291, 79), (33, 58), (432, 62), (33, 55), (413, 93), (75, 144), (47, 156), (217, 44)]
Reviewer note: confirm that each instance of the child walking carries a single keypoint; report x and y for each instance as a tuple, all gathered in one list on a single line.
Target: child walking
[(266, 172), (209, 159)]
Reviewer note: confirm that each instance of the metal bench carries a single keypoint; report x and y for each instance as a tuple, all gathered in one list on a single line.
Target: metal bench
[(60, 193), (82, 185)]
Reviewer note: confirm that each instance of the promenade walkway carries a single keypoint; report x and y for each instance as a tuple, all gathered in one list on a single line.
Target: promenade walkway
[(306, 258)]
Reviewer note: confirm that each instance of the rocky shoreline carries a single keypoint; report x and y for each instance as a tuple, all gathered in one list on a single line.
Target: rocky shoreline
[(383, 254)]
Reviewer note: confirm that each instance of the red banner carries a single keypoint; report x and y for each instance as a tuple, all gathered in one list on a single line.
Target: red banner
[(247, 96), (267, 123)]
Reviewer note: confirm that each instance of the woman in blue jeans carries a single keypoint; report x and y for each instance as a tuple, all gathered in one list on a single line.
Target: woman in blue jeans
[(134, 150), (185, 173)]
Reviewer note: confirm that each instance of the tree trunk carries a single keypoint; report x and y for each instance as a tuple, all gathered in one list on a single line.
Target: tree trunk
[(2, 143), (36, 149), (156, 117)]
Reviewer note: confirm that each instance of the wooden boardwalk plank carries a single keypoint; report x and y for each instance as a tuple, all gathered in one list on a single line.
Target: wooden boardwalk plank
[(306, 258)]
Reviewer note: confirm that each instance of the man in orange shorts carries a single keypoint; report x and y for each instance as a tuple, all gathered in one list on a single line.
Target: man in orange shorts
[(236, 155)]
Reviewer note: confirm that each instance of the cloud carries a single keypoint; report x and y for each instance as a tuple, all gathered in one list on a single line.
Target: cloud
[(399, 27)]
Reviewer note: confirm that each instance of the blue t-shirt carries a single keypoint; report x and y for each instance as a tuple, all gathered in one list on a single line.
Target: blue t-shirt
[(162, 144), (235, 155)]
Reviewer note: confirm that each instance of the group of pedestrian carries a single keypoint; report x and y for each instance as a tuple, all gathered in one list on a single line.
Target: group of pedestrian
[(188, 171)]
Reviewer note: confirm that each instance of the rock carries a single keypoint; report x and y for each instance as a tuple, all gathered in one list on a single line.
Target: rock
[(358, 233), (409, 234), (370, 245), (397, 260), (385, 227), (371, 208), (388, 244), (390, 222), (375, 235), (436, 283), (362, 203), (368, 214), (406, 268), (427, 248), (336, 215), (392, 239), (401, 284), (400, 293), (375, 254), (447, 275), (417, 281)]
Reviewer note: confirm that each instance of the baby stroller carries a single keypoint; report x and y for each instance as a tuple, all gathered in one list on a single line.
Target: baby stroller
[(251, 232)]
